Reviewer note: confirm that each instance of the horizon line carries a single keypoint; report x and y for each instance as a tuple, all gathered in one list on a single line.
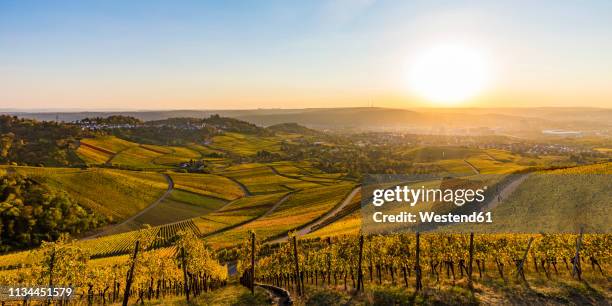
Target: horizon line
[(136, 110)]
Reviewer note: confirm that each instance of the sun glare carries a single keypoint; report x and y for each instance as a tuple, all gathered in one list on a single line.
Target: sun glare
[(449, 74)]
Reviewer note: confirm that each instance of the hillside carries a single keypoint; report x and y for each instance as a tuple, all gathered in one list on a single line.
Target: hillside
[(29, 142), (210, 194), (114, 194), (558, 201), (31, 212), (529, 121), (293, 128)]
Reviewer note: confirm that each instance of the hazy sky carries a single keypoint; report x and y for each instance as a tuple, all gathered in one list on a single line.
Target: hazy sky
[(263, 54)]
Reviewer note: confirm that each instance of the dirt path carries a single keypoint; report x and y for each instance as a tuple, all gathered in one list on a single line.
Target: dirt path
[(241, 185), (271, 210), (472, 166), (284, 175), (109, 162), (491, 157), (308, 228), (110, 153), (140, 213), (278, 295), (515, 181), (276, 205)]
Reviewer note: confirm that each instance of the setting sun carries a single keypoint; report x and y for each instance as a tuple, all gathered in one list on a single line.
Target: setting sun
[(449, 74)]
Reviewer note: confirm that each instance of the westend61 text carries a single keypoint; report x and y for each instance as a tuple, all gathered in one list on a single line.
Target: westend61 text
[(432, 217)]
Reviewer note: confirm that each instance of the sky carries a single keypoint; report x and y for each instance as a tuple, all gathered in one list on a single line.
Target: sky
[(118, 54)]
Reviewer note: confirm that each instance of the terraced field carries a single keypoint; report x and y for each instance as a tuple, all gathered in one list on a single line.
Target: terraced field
[(93, 155), (138, 157), (238, 212), (485, 164), (180, 206), (208, 185), (123, 243), (347, 225), (246, 145), (116, 151), (452, 166), (260, 179), (305, 172), (101, 150), (116, 194), (176, 156), (109, 143), (432, 154), (301, 208)]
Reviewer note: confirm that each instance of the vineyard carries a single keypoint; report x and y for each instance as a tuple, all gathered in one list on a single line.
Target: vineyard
[(188, 269), (119, 187), (290, 215), (242, 144), (207, 185), (159, 236), (122, 153), (203, 230), (423, 262), (262, 179)]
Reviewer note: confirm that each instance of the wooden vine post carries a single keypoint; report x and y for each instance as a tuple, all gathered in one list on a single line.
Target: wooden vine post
[(576, 270), (252, 283), (51, 266), (329, 260), (417, 265), (297, 266), (185, 276), (471, 259), (521, 264), (130, 275), (359, 265)]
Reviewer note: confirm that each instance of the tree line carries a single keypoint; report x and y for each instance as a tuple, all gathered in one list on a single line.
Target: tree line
[(31, 212)]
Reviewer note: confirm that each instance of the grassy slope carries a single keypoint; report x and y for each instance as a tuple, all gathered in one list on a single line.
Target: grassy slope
[(233, 294), (114, 193), (558, 200)]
